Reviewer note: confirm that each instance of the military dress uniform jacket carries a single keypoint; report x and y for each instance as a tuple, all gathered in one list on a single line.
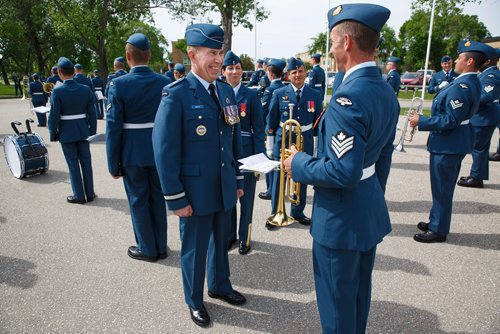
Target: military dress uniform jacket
[(394, 80), (268, 94), (317, 80), (196, 151), (38, 96), (251, 122), (112, 76), (355, 133), (72, 118), (54, 79), (83, 80), (131, 111), (449, 123), (98, 83), (438, 78), (488, 113), (306, 112), (255, 78)]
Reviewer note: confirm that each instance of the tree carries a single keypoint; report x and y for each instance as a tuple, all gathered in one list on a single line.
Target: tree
[(389, 44), (232, 12), (246, 63), (318, 44), (450, 26)]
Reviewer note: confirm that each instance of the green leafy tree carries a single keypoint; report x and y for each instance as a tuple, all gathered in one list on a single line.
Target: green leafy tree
[(246, 62), (318, 44), (390, 43), (232, 12)]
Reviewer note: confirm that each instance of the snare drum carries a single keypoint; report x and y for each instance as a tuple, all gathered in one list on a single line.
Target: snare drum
[(26, 154)]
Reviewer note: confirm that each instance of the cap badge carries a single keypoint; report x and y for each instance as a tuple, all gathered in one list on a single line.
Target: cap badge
[(337, 11)]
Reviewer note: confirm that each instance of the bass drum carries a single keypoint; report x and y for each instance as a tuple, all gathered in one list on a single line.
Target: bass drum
[(26, 154)]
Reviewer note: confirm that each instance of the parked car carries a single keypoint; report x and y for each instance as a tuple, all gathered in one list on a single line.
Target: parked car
[(429, 75), (330, 78), (412, 79), (245, 76)]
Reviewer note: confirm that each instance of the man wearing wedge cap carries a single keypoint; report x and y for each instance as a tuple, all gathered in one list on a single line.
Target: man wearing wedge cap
[(393, 77), (98, 83), (197, 141), (317, 77), (451, 137), (72, 119), (350, 215), (119, 67), (442, 78), (132, 106)]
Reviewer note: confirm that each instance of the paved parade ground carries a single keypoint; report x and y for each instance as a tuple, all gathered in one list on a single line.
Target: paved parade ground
[(64, 268)]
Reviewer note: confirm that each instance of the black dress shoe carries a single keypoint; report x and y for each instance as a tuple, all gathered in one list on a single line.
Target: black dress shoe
[(264, 195), (423, 226), (471, 182), (231, 244), (495, 157), (303, 220), (270, 227), (244, 248), (429, 237), (200, 316), (233, 298), (74, 200), (135, 253), (162, 256), (91, 199)]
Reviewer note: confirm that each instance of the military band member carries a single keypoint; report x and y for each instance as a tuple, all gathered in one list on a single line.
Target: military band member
[(257, 75), (179, 71), (98, 83), (38, 98), (72, 119), (132, 106), (393, 77), (252, 135), (307, 108), (356, 133), (317, 77), (451, 137), (119, 67), (274, 72), (170, 72), (264, 81), (196, 141), (442, 78), (54, 77), (484, 123)]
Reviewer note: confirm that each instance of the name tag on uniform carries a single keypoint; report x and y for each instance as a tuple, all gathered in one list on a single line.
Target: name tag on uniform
[(198, 106)]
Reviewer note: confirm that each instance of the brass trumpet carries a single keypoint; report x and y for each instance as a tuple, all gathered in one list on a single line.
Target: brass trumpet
[(416, 106), (48, 87), (292, 189)]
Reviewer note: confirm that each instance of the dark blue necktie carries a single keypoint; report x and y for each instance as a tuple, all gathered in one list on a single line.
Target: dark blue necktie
[(297, 95), (447, 77), (211, 87)]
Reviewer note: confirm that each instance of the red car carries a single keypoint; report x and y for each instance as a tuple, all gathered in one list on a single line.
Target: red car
[(412, 79)]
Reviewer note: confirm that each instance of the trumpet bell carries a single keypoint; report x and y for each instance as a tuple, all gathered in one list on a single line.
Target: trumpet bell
[(280, 218)]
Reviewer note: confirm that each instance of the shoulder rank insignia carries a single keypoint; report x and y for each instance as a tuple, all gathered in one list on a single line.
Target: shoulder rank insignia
[(464, 86), (342, 143), (456, 104), (108, 106), (488, 88), (164, 94), (490, 75), (111, 83), (284, 98), (344, 101)]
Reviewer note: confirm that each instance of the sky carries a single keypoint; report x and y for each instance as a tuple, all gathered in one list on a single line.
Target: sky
[(292, 23)]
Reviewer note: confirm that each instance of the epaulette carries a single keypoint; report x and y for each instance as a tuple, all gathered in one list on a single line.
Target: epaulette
[(176, 82), (224, 82)]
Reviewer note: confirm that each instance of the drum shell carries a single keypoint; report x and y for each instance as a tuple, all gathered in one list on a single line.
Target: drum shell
[(26, 154)]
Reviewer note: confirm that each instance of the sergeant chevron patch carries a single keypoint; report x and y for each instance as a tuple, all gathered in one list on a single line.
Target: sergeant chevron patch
[(342, 143), (456, 104), (344, 101), (488, 88)]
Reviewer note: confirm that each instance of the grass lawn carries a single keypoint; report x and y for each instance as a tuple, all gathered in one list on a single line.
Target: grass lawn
[(6, 90)]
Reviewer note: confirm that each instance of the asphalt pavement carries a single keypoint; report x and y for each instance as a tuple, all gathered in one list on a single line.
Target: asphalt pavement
[(64, 268)]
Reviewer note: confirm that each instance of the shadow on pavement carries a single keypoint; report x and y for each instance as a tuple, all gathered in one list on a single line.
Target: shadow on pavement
[(15, 272), (391, 263), (410, 166), (3, 220), (118, 204), (481, 241), (469, 208), (50, 177)]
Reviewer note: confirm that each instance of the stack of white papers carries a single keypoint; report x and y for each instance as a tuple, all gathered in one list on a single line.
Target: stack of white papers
[(258, 163), (99, 95), (98, 137), (41, 110)]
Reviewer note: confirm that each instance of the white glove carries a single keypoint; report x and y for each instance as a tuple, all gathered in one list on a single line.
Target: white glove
[(443, 84), (315, 149), (269, 146)]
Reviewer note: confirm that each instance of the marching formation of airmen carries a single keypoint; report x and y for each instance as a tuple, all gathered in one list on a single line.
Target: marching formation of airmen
[(171, 136)]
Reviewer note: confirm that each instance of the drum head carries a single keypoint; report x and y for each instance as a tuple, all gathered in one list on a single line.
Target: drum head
[(11, 151)]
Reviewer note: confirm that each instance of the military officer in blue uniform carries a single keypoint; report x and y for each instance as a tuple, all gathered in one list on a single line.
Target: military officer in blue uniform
[(81, 78), (54, 77), (197, 141), (274, 72), (496, 155), (132, 105), (257, 75), (98, 84), (264, 81), (179, 71), (484, 122), (119, 67), (317, 77), (350, 215), (170, 72), (393, 77), (307, 108), (38, 98), (451, 137), (71, 120), (252, 135), (442, 78)]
